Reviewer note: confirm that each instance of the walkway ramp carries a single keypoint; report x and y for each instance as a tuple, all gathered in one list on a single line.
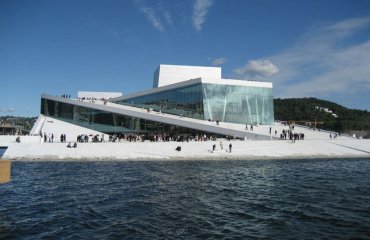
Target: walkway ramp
[(38, 125)]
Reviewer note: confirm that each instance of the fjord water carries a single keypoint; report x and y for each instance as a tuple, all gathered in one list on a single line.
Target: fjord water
[(279, 199)]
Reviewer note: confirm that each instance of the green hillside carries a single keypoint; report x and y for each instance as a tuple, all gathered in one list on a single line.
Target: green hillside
[(341, 119)]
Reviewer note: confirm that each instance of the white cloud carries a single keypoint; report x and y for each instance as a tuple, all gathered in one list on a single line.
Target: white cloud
[(168, 18), (152, 15), (326, 62), (218, 61), (257, 68), (200, 11), (160, 18), (345, 71), (7, 110)]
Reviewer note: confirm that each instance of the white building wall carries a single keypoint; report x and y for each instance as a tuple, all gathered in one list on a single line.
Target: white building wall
[(170, 74)]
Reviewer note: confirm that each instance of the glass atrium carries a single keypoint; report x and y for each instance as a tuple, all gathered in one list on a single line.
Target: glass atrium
[(206, 101)]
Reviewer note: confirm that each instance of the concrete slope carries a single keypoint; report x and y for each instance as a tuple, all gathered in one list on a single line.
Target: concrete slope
[(38, 125)]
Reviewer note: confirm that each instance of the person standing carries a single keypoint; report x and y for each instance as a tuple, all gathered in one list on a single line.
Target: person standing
[(230, 147)]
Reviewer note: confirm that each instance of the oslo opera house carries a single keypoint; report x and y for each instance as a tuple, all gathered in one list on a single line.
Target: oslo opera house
[(183, 100)]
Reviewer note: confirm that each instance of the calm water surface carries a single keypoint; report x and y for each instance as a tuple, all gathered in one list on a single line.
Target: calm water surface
[(292, 199)]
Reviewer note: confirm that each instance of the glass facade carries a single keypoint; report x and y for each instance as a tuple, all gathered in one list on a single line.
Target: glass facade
[(226, 103), (238, 104), (107, 122), (187, 101)]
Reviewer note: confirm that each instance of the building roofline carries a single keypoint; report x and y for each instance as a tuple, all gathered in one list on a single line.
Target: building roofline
[(187, 66)]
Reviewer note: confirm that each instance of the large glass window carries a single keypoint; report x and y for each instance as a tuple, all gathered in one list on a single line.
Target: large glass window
[(185, 100), (238, 104)]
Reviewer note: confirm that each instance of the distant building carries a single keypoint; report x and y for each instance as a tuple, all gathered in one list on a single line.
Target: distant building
[(327, 110), (7, 128)]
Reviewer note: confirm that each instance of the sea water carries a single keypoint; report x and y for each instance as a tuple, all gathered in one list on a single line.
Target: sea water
[(278, 199)]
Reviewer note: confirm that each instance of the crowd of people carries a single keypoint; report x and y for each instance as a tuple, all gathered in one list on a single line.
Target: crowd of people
[(92, 99), (134, 137), (160, 137), (289, 134), (286, 134), (65, 95)]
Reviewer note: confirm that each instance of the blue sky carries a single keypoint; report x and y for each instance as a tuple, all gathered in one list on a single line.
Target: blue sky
[(309, 48)]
